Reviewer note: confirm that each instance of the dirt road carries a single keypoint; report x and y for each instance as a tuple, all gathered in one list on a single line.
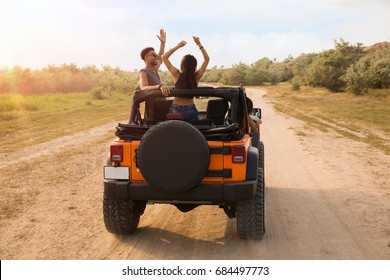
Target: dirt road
[(326, 198)]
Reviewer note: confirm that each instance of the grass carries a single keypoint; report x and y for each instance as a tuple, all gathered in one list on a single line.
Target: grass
[(29, 120), (361, 118)]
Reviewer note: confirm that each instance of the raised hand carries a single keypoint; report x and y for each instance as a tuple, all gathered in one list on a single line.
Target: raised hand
[(163, 36), (196, 40)]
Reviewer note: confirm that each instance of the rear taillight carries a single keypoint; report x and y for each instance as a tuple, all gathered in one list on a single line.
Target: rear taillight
[(116, 153), (238, 154)]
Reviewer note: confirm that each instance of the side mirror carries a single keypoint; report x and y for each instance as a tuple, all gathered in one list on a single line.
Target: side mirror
[(257, 112)]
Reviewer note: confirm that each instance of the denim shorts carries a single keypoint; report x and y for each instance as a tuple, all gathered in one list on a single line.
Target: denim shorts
[(188, 112)]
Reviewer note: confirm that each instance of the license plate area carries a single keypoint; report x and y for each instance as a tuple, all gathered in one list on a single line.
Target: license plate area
[(116, 173)]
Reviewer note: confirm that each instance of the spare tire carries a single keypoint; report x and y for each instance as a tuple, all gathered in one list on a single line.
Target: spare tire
[(173, 156)]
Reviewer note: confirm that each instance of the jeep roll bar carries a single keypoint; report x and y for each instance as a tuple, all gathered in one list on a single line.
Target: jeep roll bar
[(238, 112)]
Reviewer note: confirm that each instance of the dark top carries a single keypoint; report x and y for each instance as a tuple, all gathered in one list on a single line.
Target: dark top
[(153, 77), (153, 80)]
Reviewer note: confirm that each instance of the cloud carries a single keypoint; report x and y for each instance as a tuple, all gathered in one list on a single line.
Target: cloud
[(102, 32)]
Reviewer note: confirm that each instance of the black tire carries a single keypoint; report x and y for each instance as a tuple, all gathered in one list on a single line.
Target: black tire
[(173, 156), (121, 217), (250, 213), (261, 157)]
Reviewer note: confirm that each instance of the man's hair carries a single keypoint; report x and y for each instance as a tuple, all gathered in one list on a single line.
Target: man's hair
[(145, 51)]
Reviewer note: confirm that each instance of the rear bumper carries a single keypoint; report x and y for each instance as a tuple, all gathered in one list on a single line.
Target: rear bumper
[(214, 193)]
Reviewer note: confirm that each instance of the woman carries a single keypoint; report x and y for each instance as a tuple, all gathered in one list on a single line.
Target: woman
[(188, 77)]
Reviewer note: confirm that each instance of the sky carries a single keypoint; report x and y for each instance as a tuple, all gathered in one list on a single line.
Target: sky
[(36, 33)]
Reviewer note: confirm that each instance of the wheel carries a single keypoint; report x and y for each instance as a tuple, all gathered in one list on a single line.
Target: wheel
[(250, 213), (121, 217), (173, 156), (261, 157)]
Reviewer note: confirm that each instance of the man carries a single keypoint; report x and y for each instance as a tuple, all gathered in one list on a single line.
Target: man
[(148, 76)]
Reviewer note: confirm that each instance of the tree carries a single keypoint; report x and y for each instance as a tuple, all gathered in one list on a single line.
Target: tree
[(258, 72), (331, 65), (213, 76), (357, 82), (66, 78), (279, 72), (299, 67), (371, 71), (236, 75), (379, 69)]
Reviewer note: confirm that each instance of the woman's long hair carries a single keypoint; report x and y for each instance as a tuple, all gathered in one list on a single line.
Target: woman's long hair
[(187, 77)]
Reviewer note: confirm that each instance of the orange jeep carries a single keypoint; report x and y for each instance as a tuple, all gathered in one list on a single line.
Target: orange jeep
[(159, 158)]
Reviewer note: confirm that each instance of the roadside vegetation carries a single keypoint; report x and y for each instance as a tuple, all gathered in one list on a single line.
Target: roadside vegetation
[(347, 67), (29, 120), (40, 105), (360, 118), (345, 89)]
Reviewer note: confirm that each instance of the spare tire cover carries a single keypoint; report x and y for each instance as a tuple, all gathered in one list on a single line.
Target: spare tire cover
[(173, 156)]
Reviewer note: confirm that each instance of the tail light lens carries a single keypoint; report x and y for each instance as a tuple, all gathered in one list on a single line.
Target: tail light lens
[(174, 116), (238, 154), (116, 153)]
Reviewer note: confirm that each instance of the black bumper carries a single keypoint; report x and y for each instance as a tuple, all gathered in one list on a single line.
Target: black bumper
[(215, 193)]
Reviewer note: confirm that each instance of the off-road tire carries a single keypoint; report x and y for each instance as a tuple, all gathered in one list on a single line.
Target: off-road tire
[(121, 217), (173, 156), (261, 159), (250, 213)]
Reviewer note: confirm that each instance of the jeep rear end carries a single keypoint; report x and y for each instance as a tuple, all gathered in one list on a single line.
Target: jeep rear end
[(186, 164)]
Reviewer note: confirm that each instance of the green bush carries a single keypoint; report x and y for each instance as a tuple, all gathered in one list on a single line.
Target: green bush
[(97, 93), (295, 86)]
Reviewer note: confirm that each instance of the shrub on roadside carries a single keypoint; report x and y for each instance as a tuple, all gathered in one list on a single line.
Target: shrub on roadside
[(97, 93), (295, 86)]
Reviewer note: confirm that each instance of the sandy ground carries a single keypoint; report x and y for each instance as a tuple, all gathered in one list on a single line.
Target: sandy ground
[(326, 198)]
